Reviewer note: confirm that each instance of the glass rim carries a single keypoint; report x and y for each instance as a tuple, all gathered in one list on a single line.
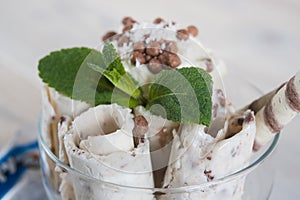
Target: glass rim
[(246, 170)]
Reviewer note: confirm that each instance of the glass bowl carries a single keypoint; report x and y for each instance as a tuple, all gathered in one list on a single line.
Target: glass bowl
[(254, 181)]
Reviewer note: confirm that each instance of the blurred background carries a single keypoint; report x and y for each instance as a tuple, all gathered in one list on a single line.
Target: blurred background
[(259, 38)]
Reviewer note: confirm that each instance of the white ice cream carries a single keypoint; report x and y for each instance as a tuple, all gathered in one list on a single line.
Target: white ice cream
[(109, 156), (191, 51), (198, 158), (160, 135)]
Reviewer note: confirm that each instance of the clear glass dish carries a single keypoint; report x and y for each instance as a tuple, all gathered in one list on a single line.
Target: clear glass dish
[(255, 180)]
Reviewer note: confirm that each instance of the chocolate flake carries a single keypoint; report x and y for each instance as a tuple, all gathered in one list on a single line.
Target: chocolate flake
[(208, 175), (62, 119), (108, 35)]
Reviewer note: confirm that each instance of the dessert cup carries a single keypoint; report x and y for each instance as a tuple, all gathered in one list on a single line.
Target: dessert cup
[(254, 181)]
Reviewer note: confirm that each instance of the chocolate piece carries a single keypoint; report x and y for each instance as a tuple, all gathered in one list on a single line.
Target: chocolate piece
[(169, 59), (163, 58), (174, 60), (137, 56), (128, 21), (193, 30), (155, 66), (158, 20), (153, 48), (139, 46), (208, 175), (148, 58), (109, 35), (139, 130), (182, 34), (171, 46)]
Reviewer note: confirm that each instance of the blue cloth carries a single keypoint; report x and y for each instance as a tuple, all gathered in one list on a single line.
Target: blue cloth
[(16, 157)]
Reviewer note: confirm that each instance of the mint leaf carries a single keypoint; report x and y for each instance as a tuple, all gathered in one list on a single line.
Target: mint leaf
[(112, 59), (182, 95), (122, 81), (111, 67), (68, 72)]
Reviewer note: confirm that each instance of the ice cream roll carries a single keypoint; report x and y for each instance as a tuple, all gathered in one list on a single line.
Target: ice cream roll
[(222, 110), (278, 111), (66, 188), (160, 135), (56, 107), (100, 144), (197, 158)]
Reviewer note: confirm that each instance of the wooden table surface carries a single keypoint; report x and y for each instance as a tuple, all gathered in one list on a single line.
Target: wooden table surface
[(261, 38)]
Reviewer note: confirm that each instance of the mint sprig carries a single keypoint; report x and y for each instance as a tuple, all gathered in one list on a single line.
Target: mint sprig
[(112, 68), (181, 95)]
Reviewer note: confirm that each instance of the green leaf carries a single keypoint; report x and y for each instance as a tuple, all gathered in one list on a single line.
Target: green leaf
[(111, 58), (124, 82), (182, 95), (68, 72), (112, 68)]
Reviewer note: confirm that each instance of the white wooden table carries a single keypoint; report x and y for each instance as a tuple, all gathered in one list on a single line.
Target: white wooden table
[(260, 37)]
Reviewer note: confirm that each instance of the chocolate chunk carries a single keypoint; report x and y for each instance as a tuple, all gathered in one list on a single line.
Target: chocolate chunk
[(192, 30), (169, 59), (139, 130), (108, 35), (128, 21), (137, 56), (174, 60), (171, 46), (148, 58), (139, 46), (153, 49), (182, 34), (155, 66), (62, 119), (158, 20), (208, 175), (163, 58)]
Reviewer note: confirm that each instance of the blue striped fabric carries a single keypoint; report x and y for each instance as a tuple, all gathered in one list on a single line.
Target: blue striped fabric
[(12, 166)]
